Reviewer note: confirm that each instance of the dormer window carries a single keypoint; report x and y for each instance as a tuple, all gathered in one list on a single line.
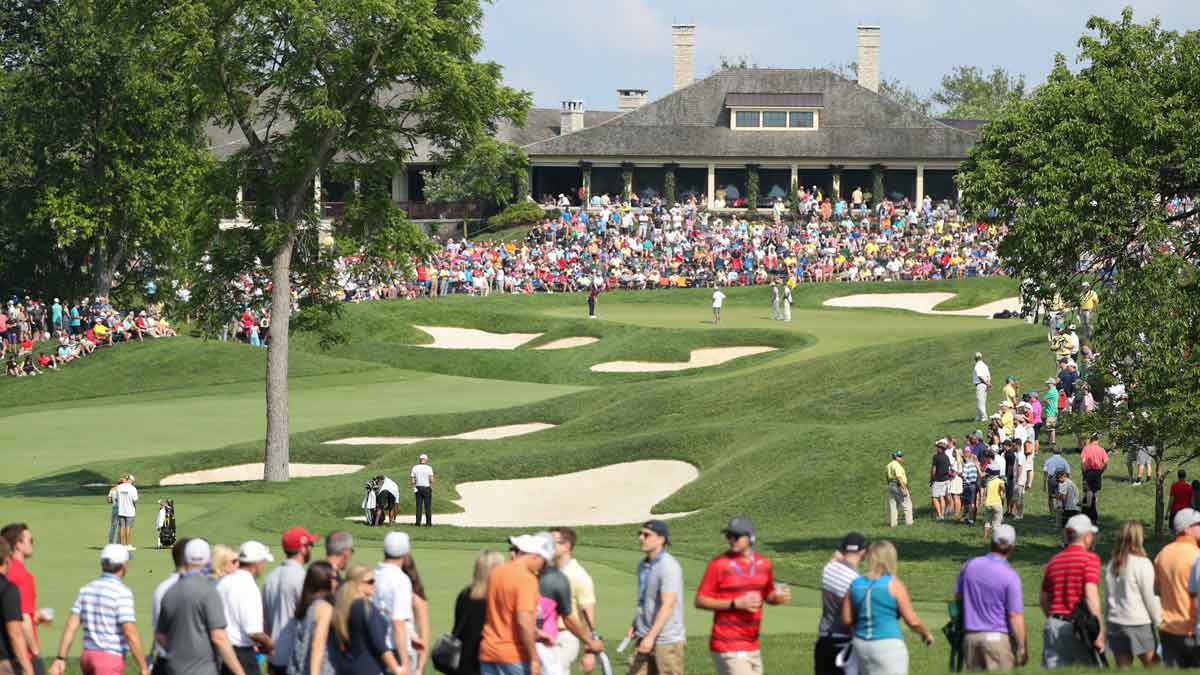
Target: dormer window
[(774, 112)]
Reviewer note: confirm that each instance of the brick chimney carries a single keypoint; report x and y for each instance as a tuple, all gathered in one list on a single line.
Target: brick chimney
[(571, 118), (630, 99), (683, 60), (868, 57)]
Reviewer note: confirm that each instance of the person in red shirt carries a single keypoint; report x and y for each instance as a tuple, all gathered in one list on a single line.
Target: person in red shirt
[(1071, 575), (1181, 496), (1094, 460), (734, 587), (20, 540)]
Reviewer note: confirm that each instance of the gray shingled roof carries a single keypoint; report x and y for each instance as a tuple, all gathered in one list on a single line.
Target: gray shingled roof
[(741, 100), (855, 123)]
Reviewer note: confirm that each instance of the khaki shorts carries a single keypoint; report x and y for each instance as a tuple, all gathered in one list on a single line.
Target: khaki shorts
[(1050, 422), (664, 660), (737, 663), (988, 652)]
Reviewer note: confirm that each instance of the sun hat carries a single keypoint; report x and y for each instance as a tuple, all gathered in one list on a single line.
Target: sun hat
[(396, 544), (254, 552), (115, 554), (1185, 519), (1081, 524), (1005, 535)]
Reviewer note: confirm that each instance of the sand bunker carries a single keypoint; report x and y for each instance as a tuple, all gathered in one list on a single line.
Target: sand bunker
[(700, 358), (227, 474), (923, 303), (470, 338), (488, 434), (610, 495), (568, 343)]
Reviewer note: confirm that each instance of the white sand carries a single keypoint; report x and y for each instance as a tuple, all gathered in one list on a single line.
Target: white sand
[(254, 471), (700, 358), (610, 495), (487, 434), (923, 303), (470, 338), (568, 343)]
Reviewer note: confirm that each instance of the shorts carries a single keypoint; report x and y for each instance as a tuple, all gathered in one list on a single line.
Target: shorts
[(386, 501), (125, 521), (939, 489), (1051, 422), (1133, 640), (988, 652), (995, 515), (1093, 479), (956, 485), (968, 493), (1143, 457), (1018, 495)]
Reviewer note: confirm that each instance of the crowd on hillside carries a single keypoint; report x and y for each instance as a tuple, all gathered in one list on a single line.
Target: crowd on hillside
[(40, 337), (656, 245)]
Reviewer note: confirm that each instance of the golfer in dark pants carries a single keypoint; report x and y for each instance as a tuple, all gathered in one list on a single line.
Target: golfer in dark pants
[(422, 478)]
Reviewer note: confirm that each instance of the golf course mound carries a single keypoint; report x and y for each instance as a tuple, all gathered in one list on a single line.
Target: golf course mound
[(922, 303), (568, 343), (487, 434), (445, 337), (610, 495), (700, 358), (254, 471)]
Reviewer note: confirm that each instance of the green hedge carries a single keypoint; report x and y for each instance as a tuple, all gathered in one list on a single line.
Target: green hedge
[(522, 213)]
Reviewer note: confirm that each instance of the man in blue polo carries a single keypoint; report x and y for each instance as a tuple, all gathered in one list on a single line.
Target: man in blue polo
[(993, 611)]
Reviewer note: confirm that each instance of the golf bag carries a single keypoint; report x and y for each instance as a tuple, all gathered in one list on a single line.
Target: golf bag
[(955, 631), (166, 533), (1086, 627), (370, 504)]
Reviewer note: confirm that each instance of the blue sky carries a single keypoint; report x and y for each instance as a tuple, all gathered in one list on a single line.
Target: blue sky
[(561, 49)]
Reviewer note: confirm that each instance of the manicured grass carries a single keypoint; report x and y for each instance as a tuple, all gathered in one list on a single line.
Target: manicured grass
[(797, 439)]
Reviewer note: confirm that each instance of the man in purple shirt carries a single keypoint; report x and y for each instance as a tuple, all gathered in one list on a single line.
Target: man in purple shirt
[(993, 613)]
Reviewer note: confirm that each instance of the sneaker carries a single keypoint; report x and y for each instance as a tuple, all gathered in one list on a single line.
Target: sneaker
[(130, 548)]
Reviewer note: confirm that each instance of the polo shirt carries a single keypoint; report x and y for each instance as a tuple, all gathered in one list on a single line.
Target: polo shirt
[(731, 576), (835, 583), (103, 606), (990, 590), (941, 467), (1181, 495), (1070, 492), (243, 607), (19, 576), (994, 496), (583, 590), (1093, 457), (1052, 465), (191, 609), (1066, 574), (422, 475), (512, 588), (281, 594), (896, 472), (394, 596), (1050, 403), (126, 500), (156, 605), (555, 600), (1172, 568), (655, 577)]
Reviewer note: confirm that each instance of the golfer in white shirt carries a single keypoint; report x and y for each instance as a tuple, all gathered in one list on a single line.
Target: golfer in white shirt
[(981, 377), (422, 479), (718, 299)]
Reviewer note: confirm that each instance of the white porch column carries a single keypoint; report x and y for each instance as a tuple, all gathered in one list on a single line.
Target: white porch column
[(712, 183), (793, 182), (837, 184), (238, 215), (400, 187), (317, 195), (920, 184)]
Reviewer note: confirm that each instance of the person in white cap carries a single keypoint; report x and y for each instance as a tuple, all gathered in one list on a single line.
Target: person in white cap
[(126, 499), (981, 378), (243, 605), (394, 597), (1073, 574), (422, 479), (1172, 582), (104, 608), (509, 628), (191, 623), (993, 609)]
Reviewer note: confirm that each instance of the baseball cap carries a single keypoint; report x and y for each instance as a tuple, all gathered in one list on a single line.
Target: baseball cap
[(1185, 519), (897, 453), (396, 544), (979, 355), (853, 543), (658, 527), (423, 456), (197, 552), (1004, 535), (1011, 378), (297, 538), (254, 552), (1081, 524), (941, 443), (528, 543), (1051, 380), (741, 526), (114, 553)]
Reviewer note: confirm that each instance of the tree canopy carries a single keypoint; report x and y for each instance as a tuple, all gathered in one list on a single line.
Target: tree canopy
[(489, 170), (1097, 174), (967, 93)]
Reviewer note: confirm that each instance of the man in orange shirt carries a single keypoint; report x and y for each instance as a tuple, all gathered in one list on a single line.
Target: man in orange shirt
[(1094, 460), (1171, 569), (509, 629)]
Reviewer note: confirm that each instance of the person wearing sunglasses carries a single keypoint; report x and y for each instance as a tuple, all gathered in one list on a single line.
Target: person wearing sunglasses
[(735, 586)]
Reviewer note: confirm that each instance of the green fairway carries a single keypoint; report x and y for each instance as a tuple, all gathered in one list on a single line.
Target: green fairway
[(796, 438)]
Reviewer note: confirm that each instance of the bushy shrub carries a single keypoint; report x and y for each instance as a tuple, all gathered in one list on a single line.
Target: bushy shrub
[(521, 213)]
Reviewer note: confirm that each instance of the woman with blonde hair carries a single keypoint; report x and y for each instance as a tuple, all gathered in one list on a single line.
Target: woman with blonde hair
[(873, 606), (358, 641), (224, 561), (1131, 609), (470, 610)]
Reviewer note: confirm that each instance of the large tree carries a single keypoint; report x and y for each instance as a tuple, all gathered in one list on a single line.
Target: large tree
[(1097, 174), (489, 171), (305, 81), (102, 137), (968, 93)]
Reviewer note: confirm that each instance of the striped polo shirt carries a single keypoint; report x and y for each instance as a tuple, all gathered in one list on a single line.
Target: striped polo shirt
[(970, 473), (1066, 574), (103, 606), (731, 576)]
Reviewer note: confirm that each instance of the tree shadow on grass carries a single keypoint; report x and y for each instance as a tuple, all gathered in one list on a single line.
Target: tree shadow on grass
[(80, 483)]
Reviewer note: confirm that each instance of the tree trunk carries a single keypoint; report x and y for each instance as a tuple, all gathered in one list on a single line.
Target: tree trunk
[(276, 454), (104, 269), (1158, 498)]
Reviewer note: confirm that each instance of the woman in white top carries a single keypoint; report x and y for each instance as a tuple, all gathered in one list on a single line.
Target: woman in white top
[(1131, 609)]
